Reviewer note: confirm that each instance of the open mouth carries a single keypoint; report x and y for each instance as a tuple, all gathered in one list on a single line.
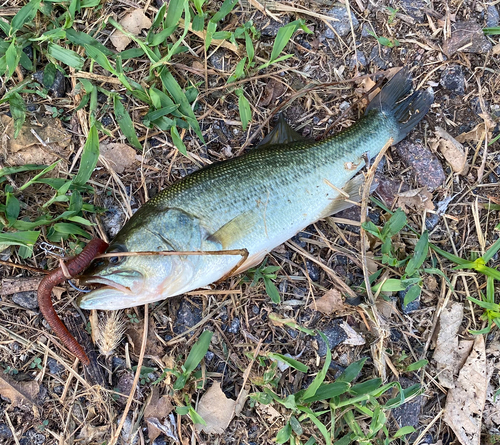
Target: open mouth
[(94, 279)]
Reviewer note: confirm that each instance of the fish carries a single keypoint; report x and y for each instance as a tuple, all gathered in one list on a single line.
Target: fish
[(256, 202)]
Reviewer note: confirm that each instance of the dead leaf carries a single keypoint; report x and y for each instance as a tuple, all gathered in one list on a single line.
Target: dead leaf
[(271, 414), (21, 394), (153, 346), (453, 151), (353, 338), (465, 403), (273, 91), (475, 135), (417, 199), (329, 303), (27, 149), (118, 156), (91, 434), (155, 412), (216, 410), (133, 21), (450, 353)]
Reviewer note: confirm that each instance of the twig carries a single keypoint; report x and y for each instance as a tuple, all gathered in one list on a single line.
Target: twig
[(20, 266), (116, 435), (242, 252)]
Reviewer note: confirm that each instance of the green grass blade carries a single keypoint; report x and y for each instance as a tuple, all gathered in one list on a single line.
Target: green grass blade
[(224, 10), (198, 351), (174, 13), (419, 255), (396, 222), (66, 56), (39, 175), (178, 142), (27, 239), (490, 253), (82, 39), (244, 107), (293, 363), (89, 158), (71, 229), (26, 14), (23, 168), (352, 371), (320, 377), (125, 122), (12, 56), (18, 112), (325, 392)]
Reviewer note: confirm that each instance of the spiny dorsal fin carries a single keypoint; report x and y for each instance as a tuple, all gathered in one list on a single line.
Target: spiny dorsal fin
[(281, 134)]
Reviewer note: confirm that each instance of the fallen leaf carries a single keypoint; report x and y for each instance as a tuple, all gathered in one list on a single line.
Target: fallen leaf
[(450, 353), (272, 92), (416, 199), (27, 149), (118, 156), (329, 303), (133, 21), (216, 410), (465, 403), (21, 394), (453, 151), (475, 135), (91, 434), (156, 412), (353, 338), (153, 346), (269, 411)]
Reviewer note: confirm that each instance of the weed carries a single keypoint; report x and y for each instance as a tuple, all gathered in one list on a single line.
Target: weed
[(267, 274), (384, 41)]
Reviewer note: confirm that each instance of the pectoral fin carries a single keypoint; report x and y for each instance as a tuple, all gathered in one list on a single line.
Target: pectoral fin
[(235, 230)]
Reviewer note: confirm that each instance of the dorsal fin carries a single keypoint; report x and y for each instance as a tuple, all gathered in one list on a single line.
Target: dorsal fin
[(282, 133)]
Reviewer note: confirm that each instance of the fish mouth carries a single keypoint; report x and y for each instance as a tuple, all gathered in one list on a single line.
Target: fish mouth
[(95, 279)]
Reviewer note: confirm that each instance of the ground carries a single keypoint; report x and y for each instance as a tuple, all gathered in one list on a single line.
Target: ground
[(444, 176)]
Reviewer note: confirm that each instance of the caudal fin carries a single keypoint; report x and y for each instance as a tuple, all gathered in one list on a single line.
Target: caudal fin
[(396, 101)]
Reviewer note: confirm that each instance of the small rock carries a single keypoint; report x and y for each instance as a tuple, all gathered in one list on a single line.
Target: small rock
[(334, 334), (255, 309), (361, 60), (492, 16), (366, 29), (124, 386), (427, 167), (337, 369), (32, 437), (234, 327), (452, 78), (187, 316), (114, 217), (388, 189), (342, 25), (5, 432), (54, 366), (410, 307), (106, 120), (27, 299), (313, 271), (408, 414), (414, 8), (209, 356), (468, 37), (118, 363), (221, 60), (299, 238), (269, 27), (57, 87), (380, 56)]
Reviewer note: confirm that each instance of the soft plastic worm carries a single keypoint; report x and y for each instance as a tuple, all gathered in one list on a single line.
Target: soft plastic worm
[(74, 266)]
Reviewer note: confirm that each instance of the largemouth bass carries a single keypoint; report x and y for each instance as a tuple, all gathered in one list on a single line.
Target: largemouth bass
[(255, 202)]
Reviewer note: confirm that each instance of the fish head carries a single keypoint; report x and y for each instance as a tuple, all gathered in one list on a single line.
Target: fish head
[(140, 279)]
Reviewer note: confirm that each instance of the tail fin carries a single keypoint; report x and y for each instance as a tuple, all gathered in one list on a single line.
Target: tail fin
[(395, 100)]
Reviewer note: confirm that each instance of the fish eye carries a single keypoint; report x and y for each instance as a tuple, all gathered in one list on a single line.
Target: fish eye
[(116, 260)]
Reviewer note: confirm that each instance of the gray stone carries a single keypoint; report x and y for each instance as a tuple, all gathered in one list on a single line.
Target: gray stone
[(410, 307), (361, 60), (54, 366), (452, 78), (187, 316), (333, 333), (313, 271), (57, 87), (408, 414), (492, 16), (467, 37), (414, 8), (380, 56), (342, 25), (234, 327), (27, 299)]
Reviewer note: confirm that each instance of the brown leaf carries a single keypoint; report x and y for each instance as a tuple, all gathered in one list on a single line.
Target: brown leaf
[(92, 434), (216, 410), (450, 354), (475, 135), (134, 21), (118, 156), (27, 149), (329, 303), (465, 403), (21, 394), (153, 347), (155, 412), (273, 91), (453, 151), (417, 199)]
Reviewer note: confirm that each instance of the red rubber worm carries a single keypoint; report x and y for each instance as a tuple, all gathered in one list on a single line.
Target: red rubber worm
[(75, 266)]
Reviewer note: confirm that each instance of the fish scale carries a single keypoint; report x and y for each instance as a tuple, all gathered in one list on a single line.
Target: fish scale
[(254, 202)]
